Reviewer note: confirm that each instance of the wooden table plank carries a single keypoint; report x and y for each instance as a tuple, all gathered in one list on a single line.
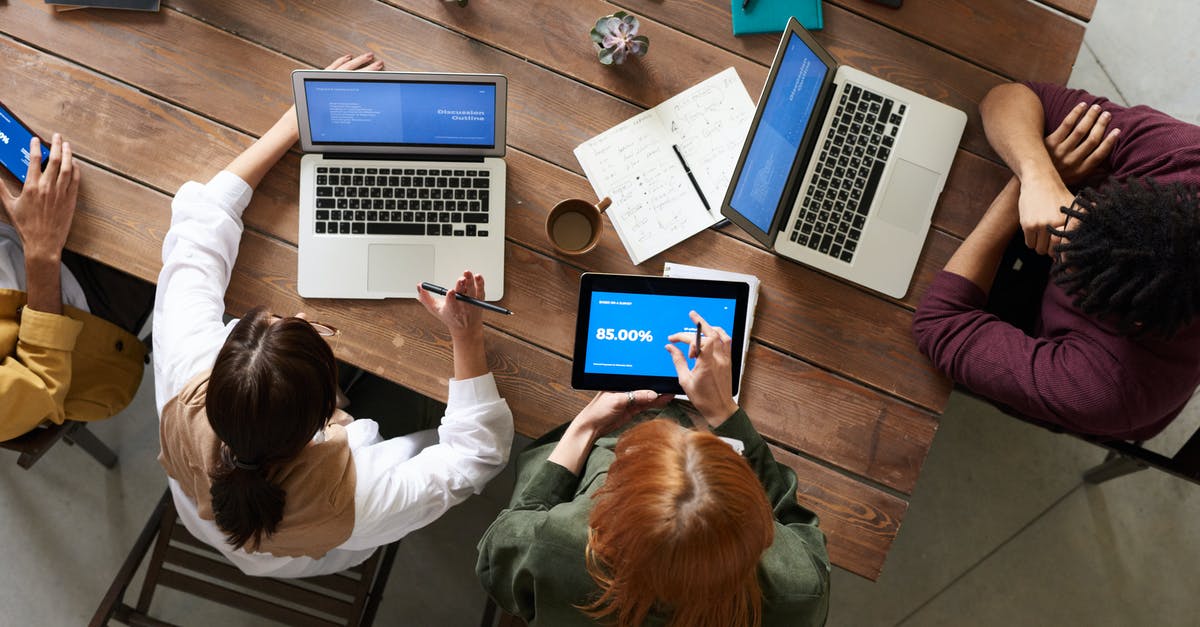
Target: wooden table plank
[(815, 342), (274, 212), (859, 524), (677, 62), (988, 32), (1082, 9), (855, 41), (539, 129)]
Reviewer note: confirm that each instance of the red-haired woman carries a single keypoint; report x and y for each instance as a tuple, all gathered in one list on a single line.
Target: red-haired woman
[(663, 524)]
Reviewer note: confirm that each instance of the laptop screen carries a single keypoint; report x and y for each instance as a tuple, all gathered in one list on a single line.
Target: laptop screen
[(401, 113), (776, 143)]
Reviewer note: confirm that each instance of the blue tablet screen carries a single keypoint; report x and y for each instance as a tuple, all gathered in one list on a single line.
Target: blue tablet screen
[(401, 113), (627, 332)]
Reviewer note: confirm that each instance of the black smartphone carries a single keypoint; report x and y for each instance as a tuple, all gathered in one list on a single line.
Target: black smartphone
[(14, 144)]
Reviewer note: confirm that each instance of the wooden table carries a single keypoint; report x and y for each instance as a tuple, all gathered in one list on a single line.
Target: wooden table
[(834, 380)]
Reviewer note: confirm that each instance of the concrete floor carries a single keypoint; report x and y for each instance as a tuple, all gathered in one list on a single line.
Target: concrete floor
[(1000, 531)]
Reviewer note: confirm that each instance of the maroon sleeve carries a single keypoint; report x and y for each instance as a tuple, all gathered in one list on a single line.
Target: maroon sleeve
[(1066, 381), (1057, 102), (1151, 143)]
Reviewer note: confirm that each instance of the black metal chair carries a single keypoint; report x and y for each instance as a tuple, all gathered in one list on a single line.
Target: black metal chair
[(182, 562), (1123, 457), (34, 444)]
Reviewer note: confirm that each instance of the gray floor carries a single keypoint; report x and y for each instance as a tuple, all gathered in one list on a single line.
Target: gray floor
[(1001, 530)]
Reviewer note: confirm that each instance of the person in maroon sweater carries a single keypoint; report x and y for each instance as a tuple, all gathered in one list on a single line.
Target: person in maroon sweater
[(1107, 198)]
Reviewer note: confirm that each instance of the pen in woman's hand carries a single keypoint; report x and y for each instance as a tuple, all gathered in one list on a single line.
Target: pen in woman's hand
[(441, 291)]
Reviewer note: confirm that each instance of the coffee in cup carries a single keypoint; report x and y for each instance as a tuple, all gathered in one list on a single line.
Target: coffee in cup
[(574, 225)]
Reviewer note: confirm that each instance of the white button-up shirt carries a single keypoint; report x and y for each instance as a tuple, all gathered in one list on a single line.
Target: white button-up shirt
[(402, 483)]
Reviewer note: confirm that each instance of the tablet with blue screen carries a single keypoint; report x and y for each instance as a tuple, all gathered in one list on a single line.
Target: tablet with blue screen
[(624, 321)]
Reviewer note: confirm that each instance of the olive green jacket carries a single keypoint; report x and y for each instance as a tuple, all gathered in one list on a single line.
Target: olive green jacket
[(53, 368), (531, 559)]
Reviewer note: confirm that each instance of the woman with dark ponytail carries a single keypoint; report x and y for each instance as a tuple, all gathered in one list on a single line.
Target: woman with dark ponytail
[(261, 462)]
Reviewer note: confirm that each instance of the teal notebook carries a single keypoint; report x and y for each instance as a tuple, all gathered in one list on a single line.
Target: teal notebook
[(771, 16)]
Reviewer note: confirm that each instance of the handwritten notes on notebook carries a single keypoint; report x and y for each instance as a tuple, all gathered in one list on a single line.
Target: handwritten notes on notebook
[(655, 204)]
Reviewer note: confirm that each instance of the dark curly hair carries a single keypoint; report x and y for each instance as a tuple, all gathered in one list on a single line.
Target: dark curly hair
[(1134, 256)]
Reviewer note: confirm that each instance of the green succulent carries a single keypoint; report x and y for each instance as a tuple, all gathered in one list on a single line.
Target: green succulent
[(616, 38)]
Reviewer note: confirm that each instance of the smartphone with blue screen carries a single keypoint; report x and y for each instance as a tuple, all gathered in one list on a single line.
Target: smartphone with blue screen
[(14, 144)]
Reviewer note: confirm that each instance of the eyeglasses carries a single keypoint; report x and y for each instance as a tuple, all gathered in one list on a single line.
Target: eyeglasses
[(322, 329)]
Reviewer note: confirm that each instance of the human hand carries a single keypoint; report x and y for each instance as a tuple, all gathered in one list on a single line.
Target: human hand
[(1081, 144), (710, 384), (1040, 208), (610, 410), (43, 210), (364, 61), (606, 412), (463, 320)]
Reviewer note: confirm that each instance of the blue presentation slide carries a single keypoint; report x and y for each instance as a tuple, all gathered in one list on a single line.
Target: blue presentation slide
[(14, 146), (789, 106), (627, 332), (423, 114)]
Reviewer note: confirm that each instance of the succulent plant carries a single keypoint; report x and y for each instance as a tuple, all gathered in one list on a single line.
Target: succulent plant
[(616, 38)]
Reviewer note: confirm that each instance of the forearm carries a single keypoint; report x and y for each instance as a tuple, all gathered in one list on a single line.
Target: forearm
[(43, 281), (253, 164), (572, 450), (978, 258), (470, 357), (1013, 119)]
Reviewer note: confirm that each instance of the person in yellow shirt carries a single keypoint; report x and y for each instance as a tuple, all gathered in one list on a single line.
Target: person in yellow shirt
[(67, 344)]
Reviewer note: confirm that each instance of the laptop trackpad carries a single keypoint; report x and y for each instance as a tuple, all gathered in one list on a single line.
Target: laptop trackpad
[(395, 268), (909, 194)]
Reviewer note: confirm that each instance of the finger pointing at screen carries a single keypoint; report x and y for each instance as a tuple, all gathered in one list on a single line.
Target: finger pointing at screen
[(709, 384)]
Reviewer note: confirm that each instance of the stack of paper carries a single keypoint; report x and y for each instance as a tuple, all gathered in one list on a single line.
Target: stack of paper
[(642, 164), (681, 271)]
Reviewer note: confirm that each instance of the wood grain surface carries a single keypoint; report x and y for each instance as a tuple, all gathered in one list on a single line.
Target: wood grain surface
[(833, 381)]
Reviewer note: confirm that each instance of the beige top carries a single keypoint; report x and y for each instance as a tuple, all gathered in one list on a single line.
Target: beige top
[(318, 514)]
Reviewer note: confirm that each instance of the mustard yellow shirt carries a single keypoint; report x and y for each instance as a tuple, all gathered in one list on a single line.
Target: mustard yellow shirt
[(73, 366)]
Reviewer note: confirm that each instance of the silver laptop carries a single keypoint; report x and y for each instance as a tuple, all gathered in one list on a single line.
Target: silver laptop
[(402, 181), (841, 170)]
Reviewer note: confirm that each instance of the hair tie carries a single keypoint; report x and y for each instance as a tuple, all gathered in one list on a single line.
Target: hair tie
[(244, 466)]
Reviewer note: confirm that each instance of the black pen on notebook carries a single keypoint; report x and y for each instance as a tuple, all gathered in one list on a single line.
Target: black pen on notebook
[(441, 291), (745, 3), (692, 177)]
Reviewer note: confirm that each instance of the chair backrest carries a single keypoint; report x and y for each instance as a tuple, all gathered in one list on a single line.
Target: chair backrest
[(1123, 457), (184, 563)]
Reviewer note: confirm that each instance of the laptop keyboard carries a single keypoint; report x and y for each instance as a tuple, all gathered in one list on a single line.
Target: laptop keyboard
[(402, 201), (843, 183)]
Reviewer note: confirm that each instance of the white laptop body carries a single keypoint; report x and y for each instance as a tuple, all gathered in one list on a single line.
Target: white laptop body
[(386, 136), (777, 186)]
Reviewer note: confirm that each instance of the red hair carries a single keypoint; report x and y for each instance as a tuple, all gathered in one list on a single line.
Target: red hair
[(677, 530)]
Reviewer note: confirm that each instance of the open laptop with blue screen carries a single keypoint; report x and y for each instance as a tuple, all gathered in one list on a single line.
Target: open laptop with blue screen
[(402, 181), (841, 170)]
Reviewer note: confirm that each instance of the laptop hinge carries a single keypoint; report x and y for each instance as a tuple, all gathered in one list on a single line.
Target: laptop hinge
[(391, 157), (820, 113)]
